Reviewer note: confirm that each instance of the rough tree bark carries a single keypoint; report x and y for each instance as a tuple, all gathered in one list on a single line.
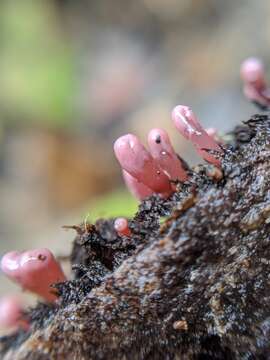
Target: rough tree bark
[(196, 289)]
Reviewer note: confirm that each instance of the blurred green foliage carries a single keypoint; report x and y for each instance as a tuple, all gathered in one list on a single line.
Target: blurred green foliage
[(118, 203), (37, 64)]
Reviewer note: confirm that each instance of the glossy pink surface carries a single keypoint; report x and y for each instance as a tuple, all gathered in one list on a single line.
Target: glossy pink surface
[(137, 161), (255, 87), (11, 313), (252, 72), (162, 151), (188, 125), (34, 270), (137, 189), (121, 226)]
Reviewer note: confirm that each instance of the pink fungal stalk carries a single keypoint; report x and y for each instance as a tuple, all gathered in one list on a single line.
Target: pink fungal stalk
[(137, 161), (137, 189), (255, 87), (162, 151), (11, 313), (121, 227), (35, 270), (188, 125)]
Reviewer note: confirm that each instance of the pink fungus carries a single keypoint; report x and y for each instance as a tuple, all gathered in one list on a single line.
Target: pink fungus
[(255, 87), (188, 125), (11, 313), (137, 161), (137, 189), (162, 151), (121, 227), (34, 270)]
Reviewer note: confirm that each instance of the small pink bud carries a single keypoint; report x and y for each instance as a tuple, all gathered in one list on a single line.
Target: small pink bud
[(189, 127), (34, 270), (137, 189), (136, 160), (162, 151), (252, 72), (11, 313), (255, 87), (121, 227)]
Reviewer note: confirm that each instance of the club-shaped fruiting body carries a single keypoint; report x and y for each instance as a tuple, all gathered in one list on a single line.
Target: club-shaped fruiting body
[(11, 313), (34, 270), (121, 227), (137, 189), (162, 151), (188, 125), (137, 161), (255, 87)]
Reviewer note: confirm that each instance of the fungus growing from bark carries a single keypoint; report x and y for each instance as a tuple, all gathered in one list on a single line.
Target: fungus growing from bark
[(34, 270), (137, 161), (193, 286), (189, 127), (121, 227), (157, 170)]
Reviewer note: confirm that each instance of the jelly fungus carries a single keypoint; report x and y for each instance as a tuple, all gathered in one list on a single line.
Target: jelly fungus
[(137, 189), (255, 87), (35, 270), (188, 125), (11, 313), (121, 227), (162, 151), (137, 161)]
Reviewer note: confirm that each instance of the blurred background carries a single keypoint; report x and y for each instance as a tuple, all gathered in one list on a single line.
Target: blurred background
[(75, 75)]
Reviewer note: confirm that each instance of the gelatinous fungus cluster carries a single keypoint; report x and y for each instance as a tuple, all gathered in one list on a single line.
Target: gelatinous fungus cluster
[(160, 168), (187, 276)]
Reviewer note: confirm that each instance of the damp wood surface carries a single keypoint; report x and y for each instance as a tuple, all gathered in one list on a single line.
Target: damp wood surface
[(194, 287)]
